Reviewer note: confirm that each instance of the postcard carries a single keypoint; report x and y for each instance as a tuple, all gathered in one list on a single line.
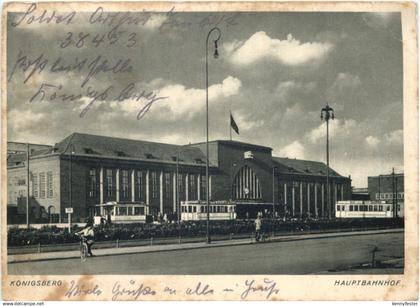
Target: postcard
[(238, 151)]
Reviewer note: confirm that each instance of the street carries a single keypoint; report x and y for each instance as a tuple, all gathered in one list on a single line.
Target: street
[(294, 257)]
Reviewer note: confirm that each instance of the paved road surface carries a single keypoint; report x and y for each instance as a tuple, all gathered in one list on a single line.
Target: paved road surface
[(294, 257)]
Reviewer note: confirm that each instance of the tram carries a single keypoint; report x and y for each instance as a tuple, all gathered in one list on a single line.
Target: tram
[(367, 209), (218, 210)]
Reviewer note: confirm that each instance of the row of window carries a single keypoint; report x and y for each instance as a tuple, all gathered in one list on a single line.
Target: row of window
[(42, 185), (125, 187), (389, 195), (365, 207), (286, 190), (246, 185), (212, 209), (128, 211)]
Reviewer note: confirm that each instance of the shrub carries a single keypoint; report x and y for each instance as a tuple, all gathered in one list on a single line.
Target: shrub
[(112, 232)]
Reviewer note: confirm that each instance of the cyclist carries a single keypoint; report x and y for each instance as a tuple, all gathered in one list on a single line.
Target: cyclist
[(89, 234)]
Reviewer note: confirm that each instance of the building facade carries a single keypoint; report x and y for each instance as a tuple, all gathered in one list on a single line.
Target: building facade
[(385, 187), (388, 188), (114, 177)]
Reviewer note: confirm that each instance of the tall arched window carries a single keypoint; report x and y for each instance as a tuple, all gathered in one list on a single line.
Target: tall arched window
[(246, 184)]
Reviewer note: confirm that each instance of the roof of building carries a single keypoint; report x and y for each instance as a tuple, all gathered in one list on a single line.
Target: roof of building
[(360, 190), (236, 144), (385, 175), (87, 144), (112, 147), (299, 166)]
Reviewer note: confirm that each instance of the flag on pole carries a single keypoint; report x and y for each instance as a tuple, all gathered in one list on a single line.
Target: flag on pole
[(233, 124)]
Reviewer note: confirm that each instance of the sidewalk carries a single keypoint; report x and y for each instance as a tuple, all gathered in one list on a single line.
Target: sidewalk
[(184, 246)]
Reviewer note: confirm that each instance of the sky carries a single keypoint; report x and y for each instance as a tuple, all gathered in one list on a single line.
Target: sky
[(275, 71)]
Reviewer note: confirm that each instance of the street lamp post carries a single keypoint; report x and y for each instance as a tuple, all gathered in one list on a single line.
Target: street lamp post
[(178, 203), (216, 55), (27, 186), (327, 113), (274, 207), (71, 147), (178, 206)]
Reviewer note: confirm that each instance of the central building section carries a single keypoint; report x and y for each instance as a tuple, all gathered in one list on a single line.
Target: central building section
[(244, 175)]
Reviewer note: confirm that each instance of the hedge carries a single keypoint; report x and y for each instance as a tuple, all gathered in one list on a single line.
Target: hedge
[(53, 235)]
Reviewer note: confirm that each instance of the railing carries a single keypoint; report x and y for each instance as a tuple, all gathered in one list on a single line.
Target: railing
[(38, 248)]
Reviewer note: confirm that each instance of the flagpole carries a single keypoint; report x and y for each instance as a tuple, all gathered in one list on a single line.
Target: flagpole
[(230, 127)]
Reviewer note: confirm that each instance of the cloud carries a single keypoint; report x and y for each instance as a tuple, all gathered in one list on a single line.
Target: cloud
[(285, 88), (372, 141), (155, 21), (344, 80), (288, 52), (182, 101), (293, 150), (378, 20), (245, 123), (395, 137), (337, 128)]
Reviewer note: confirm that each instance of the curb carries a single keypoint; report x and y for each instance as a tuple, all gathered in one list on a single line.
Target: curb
[(203, 246)]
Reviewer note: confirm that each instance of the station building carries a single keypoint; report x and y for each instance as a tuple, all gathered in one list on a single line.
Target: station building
[(124, 180)]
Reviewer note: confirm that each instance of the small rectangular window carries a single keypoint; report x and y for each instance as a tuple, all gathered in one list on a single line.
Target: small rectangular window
[(42, 185), (50, 191), (123, 211), (351, 207)]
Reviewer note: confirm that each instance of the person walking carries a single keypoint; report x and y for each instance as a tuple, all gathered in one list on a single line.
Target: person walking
[(258, 223)]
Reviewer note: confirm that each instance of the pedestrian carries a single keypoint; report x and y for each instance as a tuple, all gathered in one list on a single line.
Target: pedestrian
[(258, 224)]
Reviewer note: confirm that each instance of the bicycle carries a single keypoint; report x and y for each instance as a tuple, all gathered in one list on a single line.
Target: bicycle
[(261, 236), (83, 247)]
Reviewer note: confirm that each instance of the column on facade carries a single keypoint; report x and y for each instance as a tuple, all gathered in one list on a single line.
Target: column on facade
[(316, 199), (174, 191), (209, 187), (117, 184), (342, 192), (199, 187), (285, 197), (308, 187), (147, 192), (253, 186), (240, 189), (335, 198), (101, 189), (322, 201), (133, 181), (293, 199), (161, 192), (301, 199), (187, 187)]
